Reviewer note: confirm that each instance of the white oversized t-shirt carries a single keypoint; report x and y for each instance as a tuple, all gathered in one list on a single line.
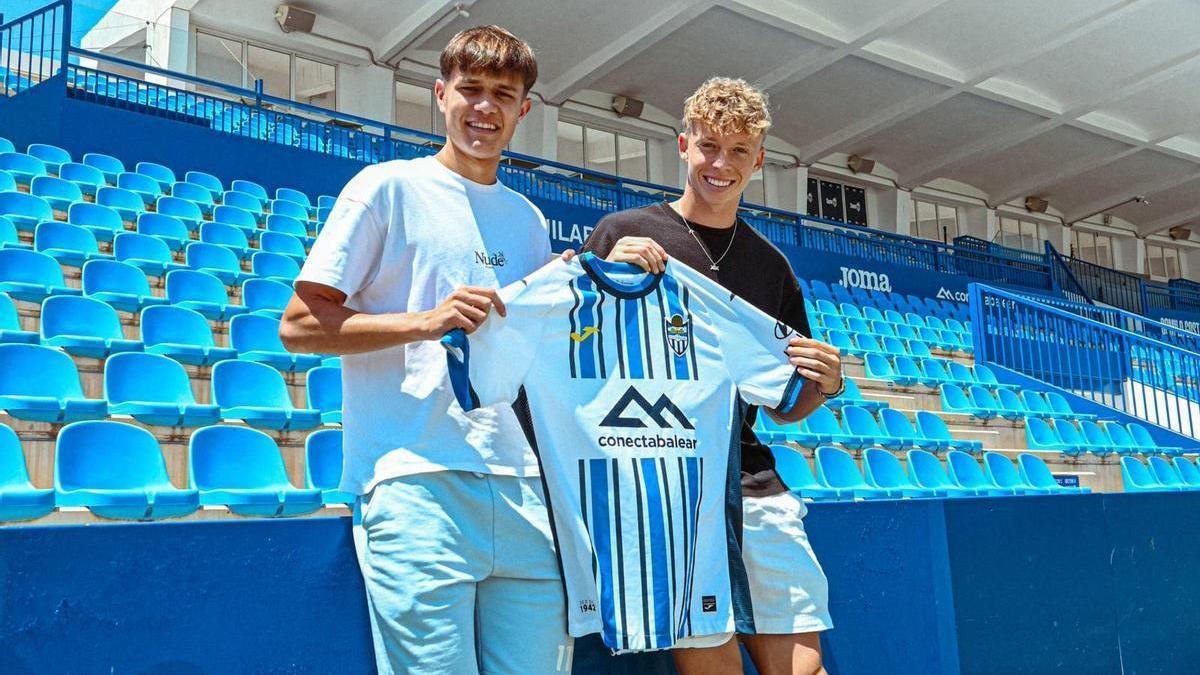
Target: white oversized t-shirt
[(633, 380), (402, 237)]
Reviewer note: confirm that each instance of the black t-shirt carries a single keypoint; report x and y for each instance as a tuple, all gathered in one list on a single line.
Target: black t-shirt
[(753, 269)]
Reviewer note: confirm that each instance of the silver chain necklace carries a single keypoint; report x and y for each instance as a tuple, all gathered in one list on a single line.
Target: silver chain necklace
[(714, 264)]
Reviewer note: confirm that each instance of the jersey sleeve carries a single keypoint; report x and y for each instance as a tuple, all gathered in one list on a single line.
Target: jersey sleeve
[(753, 346), (489, 366)]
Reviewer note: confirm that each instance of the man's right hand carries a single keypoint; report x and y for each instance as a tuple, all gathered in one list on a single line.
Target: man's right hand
[(466, 308), (641, 251)]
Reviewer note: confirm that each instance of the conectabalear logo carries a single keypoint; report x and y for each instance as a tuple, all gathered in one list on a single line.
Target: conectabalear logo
[(635, 411)]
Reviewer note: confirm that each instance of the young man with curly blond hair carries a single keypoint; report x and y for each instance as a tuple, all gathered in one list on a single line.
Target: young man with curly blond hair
[(783, 591), (451, 528)]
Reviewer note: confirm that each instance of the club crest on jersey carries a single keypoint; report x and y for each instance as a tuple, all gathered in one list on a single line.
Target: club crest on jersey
[(678, 331)]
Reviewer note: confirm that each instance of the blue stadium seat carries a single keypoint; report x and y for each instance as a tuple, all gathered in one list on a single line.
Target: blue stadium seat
[(206, 181), (882, 470), (185, 211), (323, 466), (171, 230), (1034, 471), (253, 189), (335, 361), (181, 334), (1137, 478), (10, 324), (327, 202), (894, 347), (143, 186), (843, 342), (283, 244), (836, 469), (1062, 408), (323, 215), (288, 209), (925, 470), (1011, 407), (289, 225), (266, 265), (966, 473), (907, 368), (31, 276), (104, 223), (122, 286), (266, 296), (256, 394), (1001, 471), (196, 194), (794, 471), (7, 182), (1098, 440), (22, 167), (987, 377), (69, 244), (128, 205), (25, 210), (878, 367), (163, 175), (1073, 440), (19, 500), (1144, 440), (6, 145), (872, 314), (41, 384), (147, 253), (51, 155), (935, 372), (1122, 440), (154, 390), (324, 391), (853, 396), (240, 218), (84, 327), (861, 431), (935, 431), (294, 196), (955, 401), (896, 424), (202, 292), (1166, 474), (936, 340), (248, 203), (243, 469), (256, 338), (770, 431), (218, 261), (9, 238), (1188, 473), (1035, 404), (58, 192), (916, 347), (117, 470), (228, 236), (110, 166)]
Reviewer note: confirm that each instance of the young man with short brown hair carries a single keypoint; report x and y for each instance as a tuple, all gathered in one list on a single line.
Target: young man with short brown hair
[(724, 125), (451, 529)]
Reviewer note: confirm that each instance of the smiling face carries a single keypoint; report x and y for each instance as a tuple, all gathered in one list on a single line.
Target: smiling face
[(481, 111), (719, 165)]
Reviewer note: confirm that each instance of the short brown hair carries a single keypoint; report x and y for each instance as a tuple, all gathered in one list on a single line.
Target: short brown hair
[(489, 49), (728, 106)]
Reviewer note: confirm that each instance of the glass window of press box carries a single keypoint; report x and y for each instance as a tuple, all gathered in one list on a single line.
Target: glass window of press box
[(1022, 234), (581, 144), (1162, 262), (931, 220), (284, 74), (1092, 247)]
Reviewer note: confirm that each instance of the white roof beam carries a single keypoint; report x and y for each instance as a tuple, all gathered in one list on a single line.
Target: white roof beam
[(414, 25), (1168, 221), (621, 50), (1145, 188), (1069, 169)]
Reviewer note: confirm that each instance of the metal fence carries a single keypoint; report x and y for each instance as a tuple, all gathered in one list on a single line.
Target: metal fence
[(1136, 374), (34, 47)]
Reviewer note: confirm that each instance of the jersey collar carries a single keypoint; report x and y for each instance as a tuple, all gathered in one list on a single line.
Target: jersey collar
[(602, 271)]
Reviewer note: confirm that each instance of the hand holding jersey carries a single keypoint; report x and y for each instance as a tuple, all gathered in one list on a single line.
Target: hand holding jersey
[(644, 372)]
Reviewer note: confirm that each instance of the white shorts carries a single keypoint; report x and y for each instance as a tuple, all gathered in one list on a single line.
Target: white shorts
[(788, 588)]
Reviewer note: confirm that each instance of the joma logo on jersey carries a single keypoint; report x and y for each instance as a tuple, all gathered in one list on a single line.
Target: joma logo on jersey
[(586, 333), (490, 261), (677, 330), (656, 412)]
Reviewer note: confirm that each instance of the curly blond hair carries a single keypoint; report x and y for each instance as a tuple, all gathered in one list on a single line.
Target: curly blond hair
[(728, 106)]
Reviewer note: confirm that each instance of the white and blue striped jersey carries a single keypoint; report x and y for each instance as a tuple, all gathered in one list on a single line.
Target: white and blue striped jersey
[(633, 381)]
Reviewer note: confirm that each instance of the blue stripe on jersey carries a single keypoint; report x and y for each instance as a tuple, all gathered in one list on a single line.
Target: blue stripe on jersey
[(663, 600), (646, 338), (674, 307), (691, 342), (695, 478), (619, 553), (598, 478), (573, 316), (586, 327), (681, 611), (669, 505), (644, 563), (631, 317), (619, 324)]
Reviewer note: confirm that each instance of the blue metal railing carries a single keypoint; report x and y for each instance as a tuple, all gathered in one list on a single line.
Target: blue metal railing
[(34, 47), (1063, 276), (1119, 318), (1136, 374)]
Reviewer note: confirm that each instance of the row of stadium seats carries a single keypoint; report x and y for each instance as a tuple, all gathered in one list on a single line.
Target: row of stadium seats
[(118, 471), (42, 384), (929, 371), (860, 430), (858, 300), (883, 476), (1177, 475)]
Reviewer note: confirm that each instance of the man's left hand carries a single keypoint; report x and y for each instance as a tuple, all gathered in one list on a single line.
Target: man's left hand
[(817, 361)]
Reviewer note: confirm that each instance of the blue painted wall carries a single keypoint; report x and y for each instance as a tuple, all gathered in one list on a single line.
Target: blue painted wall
[(1071, 585)]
